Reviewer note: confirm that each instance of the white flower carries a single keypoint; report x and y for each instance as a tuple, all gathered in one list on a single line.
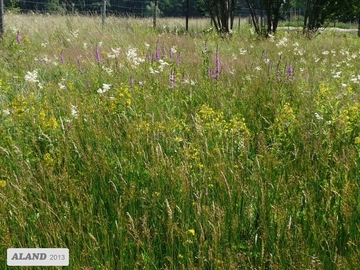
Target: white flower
[(325, 52), (6, 112), (242, 51), (62, 86), (115, 53), (108, 70), (75, 33), (147, 45), (31, 76), (133, 57), (104, 89), (318, 116), (153, 71), (337, 75), (173, 50), (74, 111), (282, 42)]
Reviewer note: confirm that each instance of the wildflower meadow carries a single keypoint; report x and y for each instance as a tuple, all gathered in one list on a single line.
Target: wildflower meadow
[(142, 148)]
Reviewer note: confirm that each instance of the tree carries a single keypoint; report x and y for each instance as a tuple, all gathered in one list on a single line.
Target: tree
[(222, 13), (273, 10), (318, 12)]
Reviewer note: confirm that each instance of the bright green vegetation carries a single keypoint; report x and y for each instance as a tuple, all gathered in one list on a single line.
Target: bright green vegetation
[(258, 169)]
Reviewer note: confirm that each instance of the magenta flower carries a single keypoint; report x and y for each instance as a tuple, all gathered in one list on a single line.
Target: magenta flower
[(290, 72), (157, 54), (18, 38), (61, 58), (97, 53), (217, 65)]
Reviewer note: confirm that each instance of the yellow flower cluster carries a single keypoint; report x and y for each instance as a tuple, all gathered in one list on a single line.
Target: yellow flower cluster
[(48, 160), (120, 100), (286, 117), (210, 119), (47, 123)]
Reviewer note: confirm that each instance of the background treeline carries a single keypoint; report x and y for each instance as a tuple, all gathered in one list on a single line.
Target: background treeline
[(138, 8), (177, 8)]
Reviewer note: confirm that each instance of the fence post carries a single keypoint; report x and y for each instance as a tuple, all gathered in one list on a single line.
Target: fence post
[(1, 18), (155, 11)]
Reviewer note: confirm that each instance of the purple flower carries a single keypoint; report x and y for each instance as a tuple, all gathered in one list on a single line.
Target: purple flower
[(217, 65), (18, 38), (61, 58), (157, 54), (131, 82), (97, 53), (290, 72), (171, 52)]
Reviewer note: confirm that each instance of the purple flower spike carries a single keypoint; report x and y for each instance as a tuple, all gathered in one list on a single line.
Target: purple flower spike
[(131, 82), (171, 52), (98, 56), (217, 65), (290, 72), (18, 38), (157, 54), (61, 58)]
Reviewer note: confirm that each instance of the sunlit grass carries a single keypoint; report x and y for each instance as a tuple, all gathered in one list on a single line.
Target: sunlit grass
[(119, 143)]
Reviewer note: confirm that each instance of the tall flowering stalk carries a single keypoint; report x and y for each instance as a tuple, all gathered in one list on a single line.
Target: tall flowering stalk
[(290, 72), (171, 52), (79, 66), (205, 65), (97, 54), (18, 38), (157, 53), (172, 79), (178, 60), (131, 82), (61, 58), (217, 65), (278, 70)]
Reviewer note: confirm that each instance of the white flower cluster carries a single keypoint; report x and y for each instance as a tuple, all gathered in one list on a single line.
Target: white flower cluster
[(161, 67), (104, 89), (133, 57)]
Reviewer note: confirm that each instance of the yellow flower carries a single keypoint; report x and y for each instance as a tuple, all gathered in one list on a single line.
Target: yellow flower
[(48, 160), (2, 183), (191, 231), (180, 256), (357, 140)]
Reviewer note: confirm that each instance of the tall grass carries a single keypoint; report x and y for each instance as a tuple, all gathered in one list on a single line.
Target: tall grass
[(137, 158)]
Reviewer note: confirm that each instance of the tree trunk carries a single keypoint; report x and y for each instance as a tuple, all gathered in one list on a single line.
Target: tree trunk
[(253, 17), (359, 26)]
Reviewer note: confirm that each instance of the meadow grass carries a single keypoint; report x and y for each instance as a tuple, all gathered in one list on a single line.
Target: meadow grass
[(153, 149)]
